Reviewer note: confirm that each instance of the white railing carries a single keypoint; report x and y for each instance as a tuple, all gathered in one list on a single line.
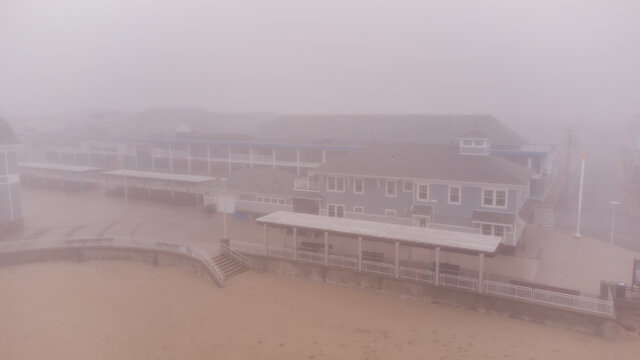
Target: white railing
[(237, 256), (550, 298), (311, 257), (262, 158), (239, 156), (260, 207), (118, 243), (306, 184), (460, 282), (378, 268), (280, 252), (343, 262), (246, 247), (417, 275)]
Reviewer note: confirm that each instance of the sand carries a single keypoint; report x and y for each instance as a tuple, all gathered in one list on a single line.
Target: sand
[(124, 310)]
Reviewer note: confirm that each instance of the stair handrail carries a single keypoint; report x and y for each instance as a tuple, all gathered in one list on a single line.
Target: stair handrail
[(237, 256)]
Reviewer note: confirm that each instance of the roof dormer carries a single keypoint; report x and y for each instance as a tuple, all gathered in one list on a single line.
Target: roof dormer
[(474, 143)]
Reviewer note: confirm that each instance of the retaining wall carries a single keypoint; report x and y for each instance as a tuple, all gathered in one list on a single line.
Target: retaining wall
[(154, 257)]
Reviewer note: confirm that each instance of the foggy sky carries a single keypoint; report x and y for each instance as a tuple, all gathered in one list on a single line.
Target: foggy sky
[(521, 61)]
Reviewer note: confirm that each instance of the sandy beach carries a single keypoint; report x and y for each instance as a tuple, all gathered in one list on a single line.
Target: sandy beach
[(123, 310)]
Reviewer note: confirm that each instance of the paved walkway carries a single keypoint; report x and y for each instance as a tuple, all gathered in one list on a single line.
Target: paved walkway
[(547, 256)]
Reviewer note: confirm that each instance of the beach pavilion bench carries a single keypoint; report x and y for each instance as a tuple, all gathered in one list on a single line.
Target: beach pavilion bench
[(372, 256), (312, 247)]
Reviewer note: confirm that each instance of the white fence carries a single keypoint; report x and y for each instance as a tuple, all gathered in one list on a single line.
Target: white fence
[(515, 292), (417, 275), (378, 268), (550, 298), (460, 282), (310, 257), (343, 262)]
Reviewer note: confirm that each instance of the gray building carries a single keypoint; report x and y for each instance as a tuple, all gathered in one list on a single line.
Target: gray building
[(10, 201), (462, 187)]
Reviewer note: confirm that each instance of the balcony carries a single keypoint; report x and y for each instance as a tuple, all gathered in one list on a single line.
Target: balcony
[(306, 184), (260, 207)]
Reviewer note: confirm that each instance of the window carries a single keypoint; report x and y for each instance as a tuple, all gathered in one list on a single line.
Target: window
[(407, 186), (335, 210), (501, 198), (389, 212), (281, 202), (468, 142), (358, 186), (495, 230), (274, 201), (494, 198), (423, 192), (259, 198), (454, 195), (358, 210), (335, 183), (391, 188)]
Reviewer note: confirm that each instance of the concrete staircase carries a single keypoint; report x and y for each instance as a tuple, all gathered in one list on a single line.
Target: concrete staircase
[(543, 216), (228, 266)]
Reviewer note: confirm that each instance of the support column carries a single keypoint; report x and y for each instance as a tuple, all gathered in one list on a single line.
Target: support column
[(266, 239), (437, 266), (189, 158), (326, 248), (295, 243), (397, 272), (209, 158), (480, 272), (170, 159), (360, 253)]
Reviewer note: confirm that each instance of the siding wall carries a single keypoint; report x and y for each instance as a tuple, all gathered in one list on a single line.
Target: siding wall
[(374, 201)]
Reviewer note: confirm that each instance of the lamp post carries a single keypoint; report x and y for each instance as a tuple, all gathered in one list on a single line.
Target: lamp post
[(614, 205), (224, 207), (577, 234)]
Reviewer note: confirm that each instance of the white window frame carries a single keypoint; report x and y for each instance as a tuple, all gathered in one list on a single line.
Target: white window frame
[(336, 180), (506, 229), (355, 180), (395, 188), (404, 186), (335, 210), (494, 197), (390, 212), (358, 209), (418, 192), (459, 195)]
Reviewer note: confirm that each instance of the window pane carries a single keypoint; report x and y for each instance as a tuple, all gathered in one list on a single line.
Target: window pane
[(340, 211), (423, 192), (391, 188), (498, 230), (486, 229), (488, 197), (340, 184), (454, 194), (331, 210), (407, 186), (501, 198)]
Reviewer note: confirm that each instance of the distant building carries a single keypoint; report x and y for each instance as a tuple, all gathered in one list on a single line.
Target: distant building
[(461, 188), (10, 200)]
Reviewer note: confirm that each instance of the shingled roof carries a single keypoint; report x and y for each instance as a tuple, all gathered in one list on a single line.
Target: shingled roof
[(392, 128), (7, 137), (428, 162)]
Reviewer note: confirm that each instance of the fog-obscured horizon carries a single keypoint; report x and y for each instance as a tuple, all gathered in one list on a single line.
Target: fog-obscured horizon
[(530, 64)]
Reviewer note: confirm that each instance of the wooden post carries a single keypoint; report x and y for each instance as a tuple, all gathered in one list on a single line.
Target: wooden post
[(266, 239), (360, 253), (480, 272), (295, 244), (397, 272), (326, 248), (437, 266)]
